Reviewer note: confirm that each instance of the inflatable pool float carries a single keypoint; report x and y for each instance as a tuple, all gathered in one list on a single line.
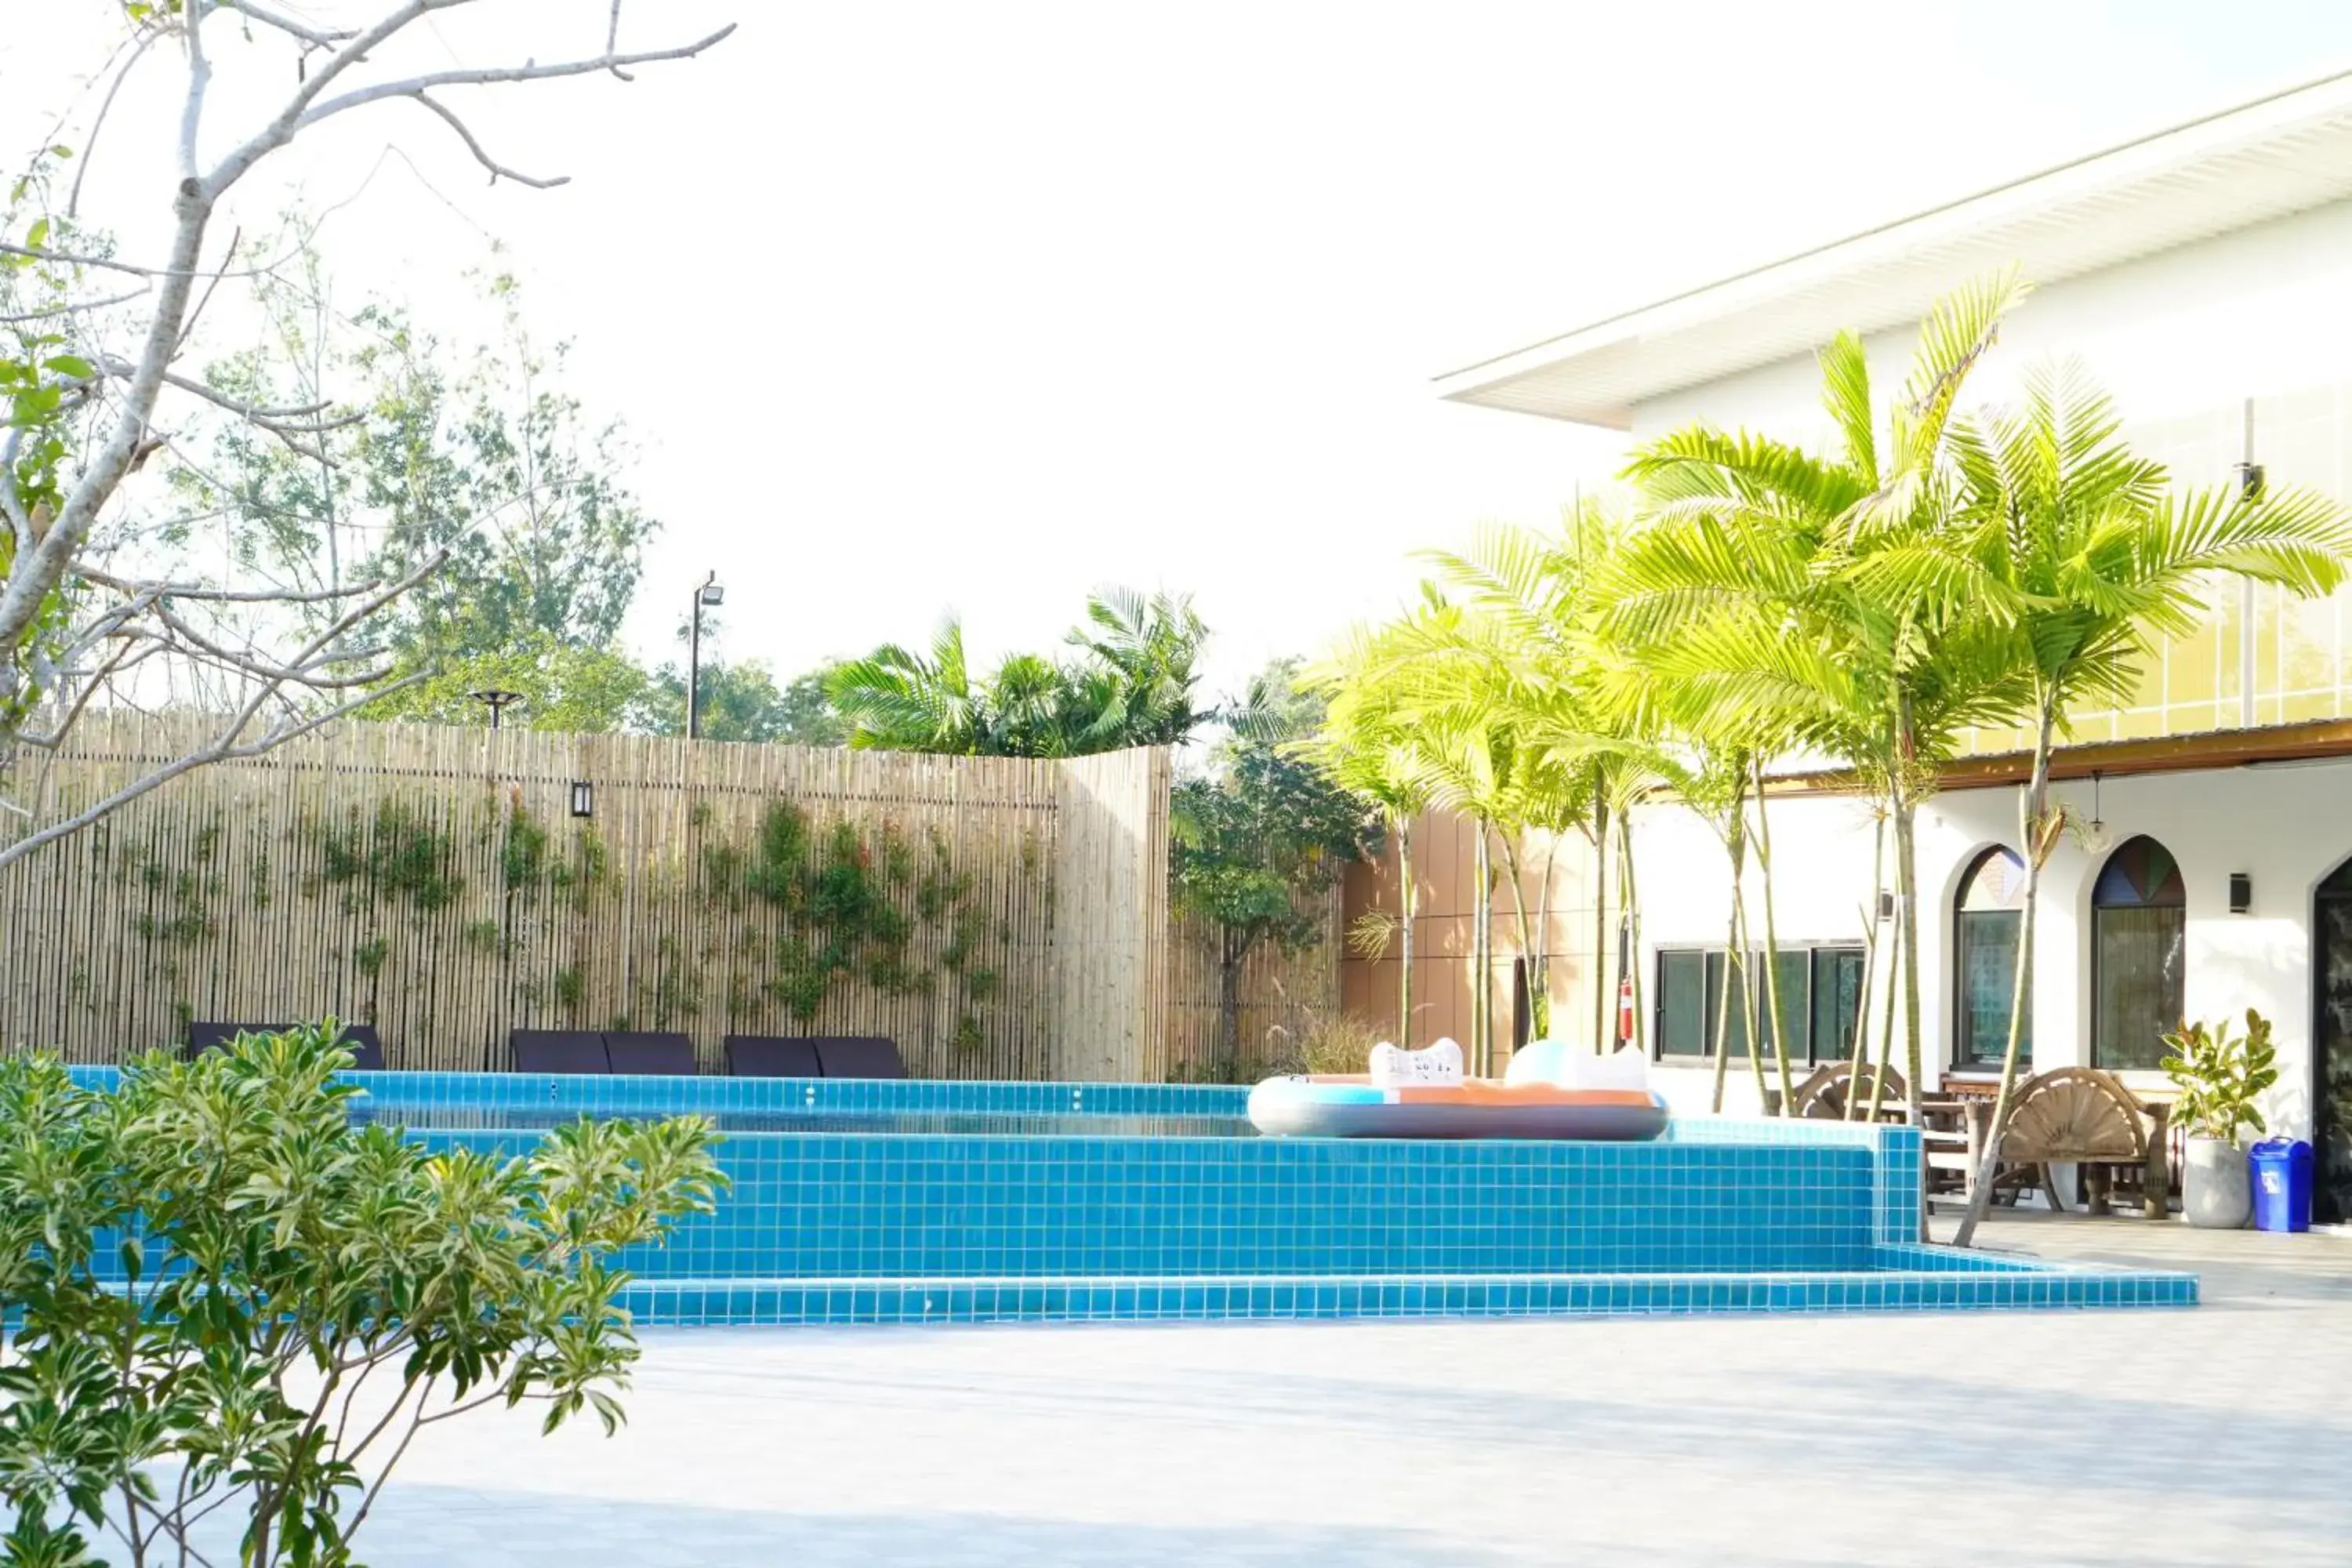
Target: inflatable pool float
[(1477, 1108), (1550, 1093)]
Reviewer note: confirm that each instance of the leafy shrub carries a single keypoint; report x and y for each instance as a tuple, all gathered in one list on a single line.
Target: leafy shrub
[(201, 1269), (2220, 1077)]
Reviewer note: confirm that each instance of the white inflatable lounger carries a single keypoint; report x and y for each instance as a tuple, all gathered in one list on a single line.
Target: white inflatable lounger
[(1358, 1108)]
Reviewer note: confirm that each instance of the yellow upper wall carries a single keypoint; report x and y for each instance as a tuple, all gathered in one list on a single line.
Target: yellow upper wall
[(2301, 666)]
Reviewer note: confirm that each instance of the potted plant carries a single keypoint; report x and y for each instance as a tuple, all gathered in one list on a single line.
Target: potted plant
[(2220, 1077)]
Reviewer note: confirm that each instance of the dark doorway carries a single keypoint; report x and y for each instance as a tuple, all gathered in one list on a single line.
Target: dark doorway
[(2331, 1039)]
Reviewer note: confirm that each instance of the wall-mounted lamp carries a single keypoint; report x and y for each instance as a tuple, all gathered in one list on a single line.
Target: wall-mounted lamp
[(2250, 482), (1885, 906), (2241, 893), (583, 798)]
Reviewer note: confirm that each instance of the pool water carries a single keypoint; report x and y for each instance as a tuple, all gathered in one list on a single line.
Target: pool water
[(849, 1123), (927, 1202)]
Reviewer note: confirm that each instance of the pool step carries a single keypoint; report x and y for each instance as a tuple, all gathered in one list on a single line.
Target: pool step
[(1137, 1299)]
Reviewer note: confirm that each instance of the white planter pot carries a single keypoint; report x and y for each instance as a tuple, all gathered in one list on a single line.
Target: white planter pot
[(2214, 1190)]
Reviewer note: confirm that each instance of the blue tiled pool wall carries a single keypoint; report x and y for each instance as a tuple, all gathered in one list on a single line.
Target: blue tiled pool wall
[(624, 1095), (1724, 1215), (834, 1206)]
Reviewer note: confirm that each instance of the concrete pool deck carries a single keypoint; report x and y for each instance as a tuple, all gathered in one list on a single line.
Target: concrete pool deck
[(2114, 1438)]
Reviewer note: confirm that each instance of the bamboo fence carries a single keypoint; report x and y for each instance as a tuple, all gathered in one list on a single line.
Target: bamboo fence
[(436, 883)]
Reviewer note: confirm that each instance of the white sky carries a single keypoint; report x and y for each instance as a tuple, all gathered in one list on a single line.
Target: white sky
[(912, 307)]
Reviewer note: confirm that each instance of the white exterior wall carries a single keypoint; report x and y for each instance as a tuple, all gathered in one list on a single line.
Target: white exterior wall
[(2287, 825)]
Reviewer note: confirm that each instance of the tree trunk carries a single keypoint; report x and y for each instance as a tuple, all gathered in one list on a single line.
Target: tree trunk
[(1229, 1011), (1405, 902), (1629, 923), (2036, 841), (1906, 883), (1482, 955), (1771, 941), (1886, 1021), (1735, 845), (1539, 1014), (1869, 968), (1600, 921)]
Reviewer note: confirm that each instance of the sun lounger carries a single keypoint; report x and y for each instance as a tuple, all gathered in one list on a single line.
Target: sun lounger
[(771, 1055), (647, 1052)]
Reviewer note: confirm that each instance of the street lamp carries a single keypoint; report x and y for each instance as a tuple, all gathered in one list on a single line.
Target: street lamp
[(712, 593), (497, 701)]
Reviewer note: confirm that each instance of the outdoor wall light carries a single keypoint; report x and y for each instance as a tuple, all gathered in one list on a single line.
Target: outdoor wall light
[(2250, 482), (1886, 905), (2241, 893), (583, 798)]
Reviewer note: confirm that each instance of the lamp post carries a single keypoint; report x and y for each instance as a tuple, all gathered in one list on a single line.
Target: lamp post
[(710, 593), (498, 702)]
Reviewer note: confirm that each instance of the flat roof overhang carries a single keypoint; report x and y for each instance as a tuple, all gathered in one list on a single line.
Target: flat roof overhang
[(2269, 159)]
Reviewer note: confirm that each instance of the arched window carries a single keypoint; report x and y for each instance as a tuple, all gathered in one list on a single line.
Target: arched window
[(2139, 931), (1986, 915)]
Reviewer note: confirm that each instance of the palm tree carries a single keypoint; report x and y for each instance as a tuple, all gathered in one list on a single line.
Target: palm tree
[(1134, 686), (895, 699), (1750, 587), (2101, 564), (1366, 746), (1539, 596)]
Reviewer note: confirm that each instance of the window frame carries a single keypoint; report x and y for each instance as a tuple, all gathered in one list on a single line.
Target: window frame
[(1806, 1049), (2100, 910)]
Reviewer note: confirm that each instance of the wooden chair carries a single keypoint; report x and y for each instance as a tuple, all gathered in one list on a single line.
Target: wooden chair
[(1825, 1095), (2085, 1117)]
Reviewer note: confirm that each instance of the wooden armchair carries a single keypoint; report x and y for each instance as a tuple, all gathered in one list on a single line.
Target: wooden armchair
[(2085, 1117)]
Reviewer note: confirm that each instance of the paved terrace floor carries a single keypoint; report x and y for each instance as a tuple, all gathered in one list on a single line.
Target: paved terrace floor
[(2134, 1440)]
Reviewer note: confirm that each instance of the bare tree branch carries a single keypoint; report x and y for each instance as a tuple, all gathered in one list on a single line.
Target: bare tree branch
[(485, 76), (139, 47), (226, 747), (496, 169), (612, 41), (199, 591), (317, 38), (75, 307)]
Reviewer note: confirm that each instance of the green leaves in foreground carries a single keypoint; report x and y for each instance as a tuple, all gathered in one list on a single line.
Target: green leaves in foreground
[(223, 1296)]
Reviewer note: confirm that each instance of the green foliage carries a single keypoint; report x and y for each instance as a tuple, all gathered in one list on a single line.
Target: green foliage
[(1250, 844), (2221, 1076), (1132, 683), (570, 987), (564, 686), (479, 457), (844, 914), (741, 702), (368, 956), (202, 1267), (394, 850)]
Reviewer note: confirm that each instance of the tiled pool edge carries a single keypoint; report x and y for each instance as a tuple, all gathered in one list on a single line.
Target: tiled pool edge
[(1964, 1282)]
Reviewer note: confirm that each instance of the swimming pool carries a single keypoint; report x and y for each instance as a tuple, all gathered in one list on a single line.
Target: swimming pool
[(930, 1202)]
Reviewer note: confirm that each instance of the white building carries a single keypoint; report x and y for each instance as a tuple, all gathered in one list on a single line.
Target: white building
[(2204, 275)]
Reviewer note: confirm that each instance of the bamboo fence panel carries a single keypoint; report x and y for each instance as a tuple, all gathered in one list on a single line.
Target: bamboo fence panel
[(1284, 996), (432, 882)]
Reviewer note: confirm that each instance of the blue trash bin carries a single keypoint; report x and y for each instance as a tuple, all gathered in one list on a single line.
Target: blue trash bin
[(2281, 1168)]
